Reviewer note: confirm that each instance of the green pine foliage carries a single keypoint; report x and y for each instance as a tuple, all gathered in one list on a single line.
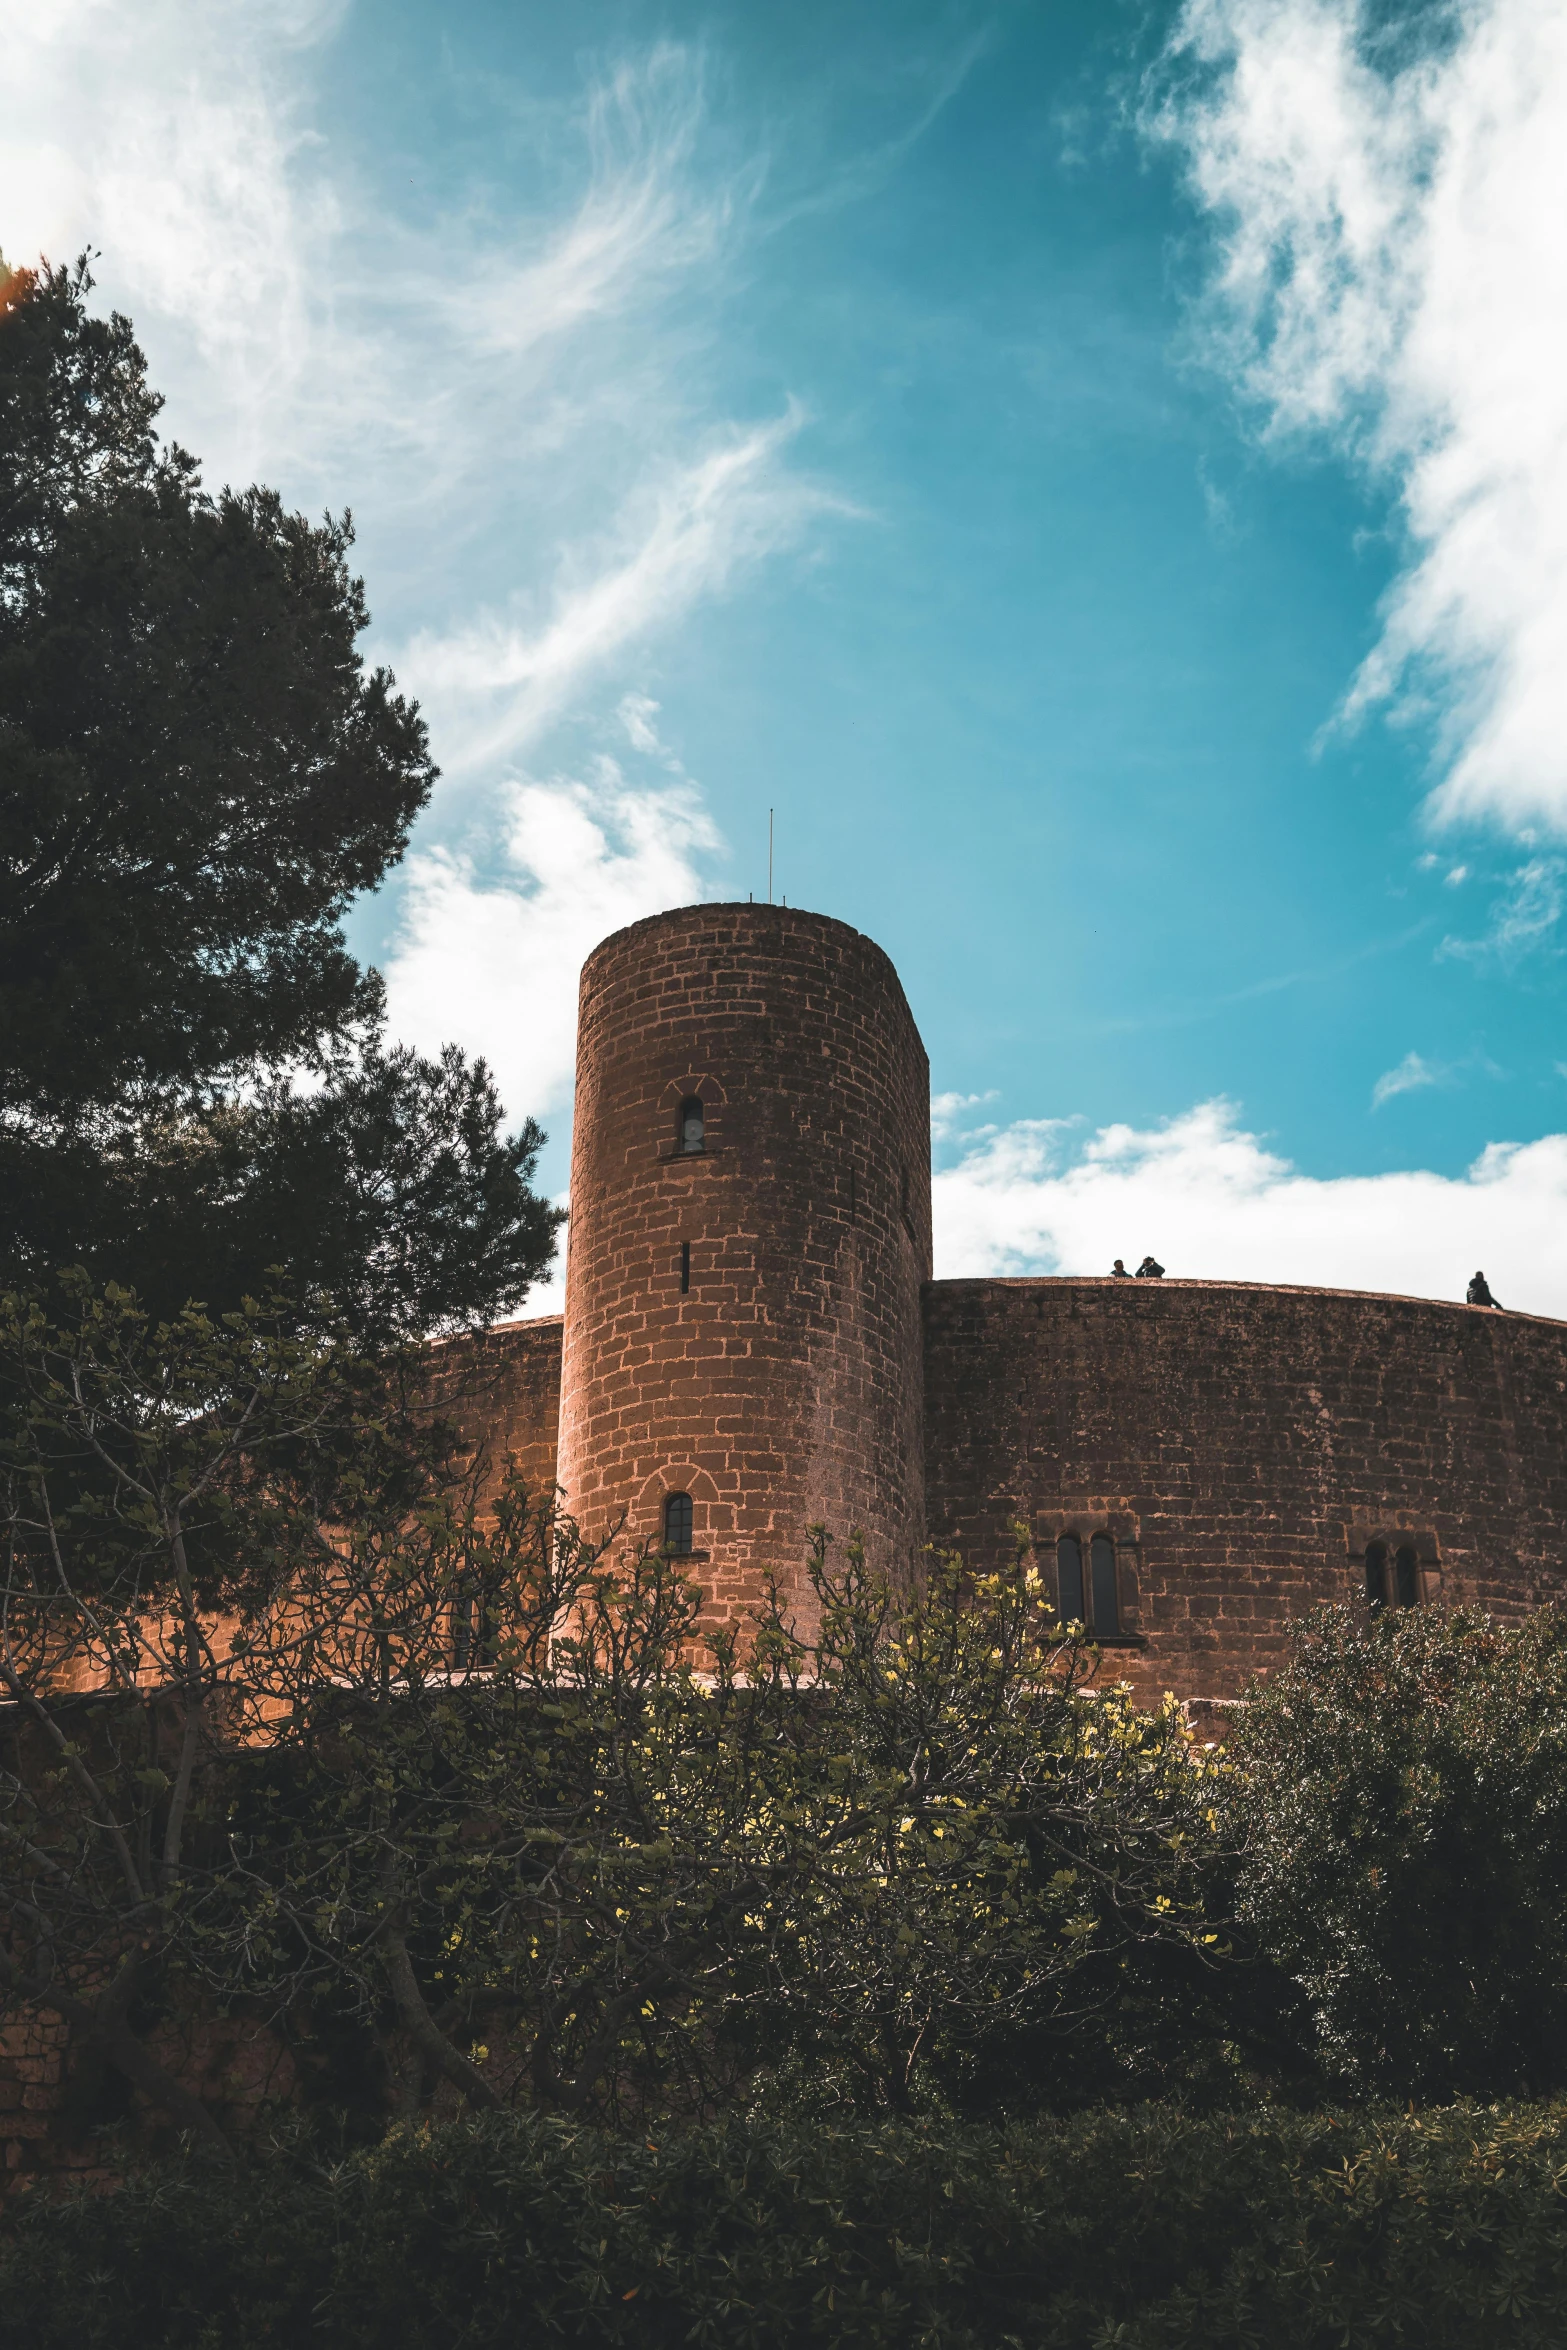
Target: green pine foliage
[(198, 773)]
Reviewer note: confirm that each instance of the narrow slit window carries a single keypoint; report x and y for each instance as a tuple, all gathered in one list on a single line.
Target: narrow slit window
[(693, 1124), (677, 1523), (685, 1268), (1107, 1606), (1376, 1574), (1406, 1576), (1069, 1579), (473, 1633)]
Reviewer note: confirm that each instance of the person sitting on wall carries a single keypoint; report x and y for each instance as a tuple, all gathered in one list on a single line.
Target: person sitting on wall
[(1118, 1271), (1150, 1270), (1479, 1292)]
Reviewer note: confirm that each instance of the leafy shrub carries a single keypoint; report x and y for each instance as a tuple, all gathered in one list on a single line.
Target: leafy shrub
[(915, 1858), (1398, 1795), (1148, 2230)]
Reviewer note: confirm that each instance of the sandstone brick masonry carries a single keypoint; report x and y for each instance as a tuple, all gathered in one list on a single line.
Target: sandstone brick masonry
[(503, 1385), (1244, 1445), (742, 1322)]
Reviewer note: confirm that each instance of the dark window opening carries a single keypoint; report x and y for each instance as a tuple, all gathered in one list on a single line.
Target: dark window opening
[(1069, 1579), (1107, 1610), (677, 1523), (692, 1124), (1406, 1576), (1376, 1574), (685, 1268), (473, 1634)]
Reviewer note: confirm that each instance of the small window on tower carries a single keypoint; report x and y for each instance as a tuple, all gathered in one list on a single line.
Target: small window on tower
[(1069, 1579), (1406, 1576), (693, 1124), (677, 1523)]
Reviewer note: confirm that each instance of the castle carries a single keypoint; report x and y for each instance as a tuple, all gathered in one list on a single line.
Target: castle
[(753, 1343)]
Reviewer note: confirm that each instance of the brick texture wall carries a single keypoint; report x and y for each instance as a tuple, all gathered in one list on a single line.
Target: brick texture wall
[(784, 1385), (502, 1387), (1243, 1445)]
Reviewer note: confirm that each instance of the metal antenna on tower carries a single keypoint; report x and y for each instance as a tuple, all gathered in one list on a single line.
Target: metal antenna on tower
[(769, 856)]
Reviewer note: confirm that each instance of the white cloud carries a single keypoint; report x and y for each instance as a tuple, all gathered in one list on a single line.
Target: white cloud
[(1392, 273), (1412, 1073), (1523, 920), (309, 330), (644, 218), (491, 954), (491, 686), (946, 1111), (172, 137), (1212, 1203)]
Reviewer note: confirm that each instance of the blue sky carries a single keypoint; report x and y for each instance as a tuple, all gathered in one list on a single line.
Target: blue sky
[(1099, 472)]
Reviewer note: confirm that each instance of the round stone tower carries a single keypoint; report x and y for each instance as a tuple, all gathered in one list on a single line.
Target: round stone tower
[(750, 1229)]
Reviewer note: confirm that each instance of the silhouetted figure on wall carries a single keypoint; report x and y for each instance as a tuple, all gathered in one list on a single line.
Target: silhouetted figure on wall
[(1118, 1271), (1479, 1292), (1150, 1270)]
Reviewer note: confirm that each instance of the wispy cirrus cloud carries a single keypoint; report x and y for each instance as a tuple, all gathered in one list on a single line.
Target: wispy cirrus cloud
[(646, 216), (177, 141), (1523, 920), (1412, 1074), (1390, 275), (308, 331), (495, 682), (1214, 1203)]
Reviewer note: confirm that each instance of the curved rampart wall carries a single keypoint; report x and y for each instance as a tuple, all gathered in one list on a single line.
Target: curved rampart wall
[(1244, 1445), (783, 1384)]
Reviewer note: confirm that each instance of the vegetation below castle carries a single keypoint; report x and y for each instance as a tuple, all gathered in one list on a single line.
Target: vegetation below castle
[(314, 1726), (1149, 2230)]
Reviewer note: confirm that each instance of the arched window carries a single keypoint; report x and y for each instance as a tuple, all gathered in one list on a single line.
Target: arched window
[(1107, 1608), (1406, 1576), (1069, 1579), (1376, 1574), (693, 1124), (677, 1523)]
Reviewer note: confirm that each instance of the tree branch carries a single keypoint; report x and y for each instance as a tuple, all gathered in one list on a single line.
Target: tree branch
[(426, 2034)]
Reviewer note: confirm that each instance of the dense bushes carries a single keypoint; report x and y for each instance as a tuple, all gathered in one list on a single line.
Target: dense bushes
[(1147, 2230), (1398, 1799), (392, 1756)]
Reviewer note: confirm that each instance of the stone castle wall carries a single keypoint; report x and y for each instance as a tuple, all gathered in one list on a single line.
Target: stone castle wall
[(782, 1384), (1244, 1445), (502, 1387)]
